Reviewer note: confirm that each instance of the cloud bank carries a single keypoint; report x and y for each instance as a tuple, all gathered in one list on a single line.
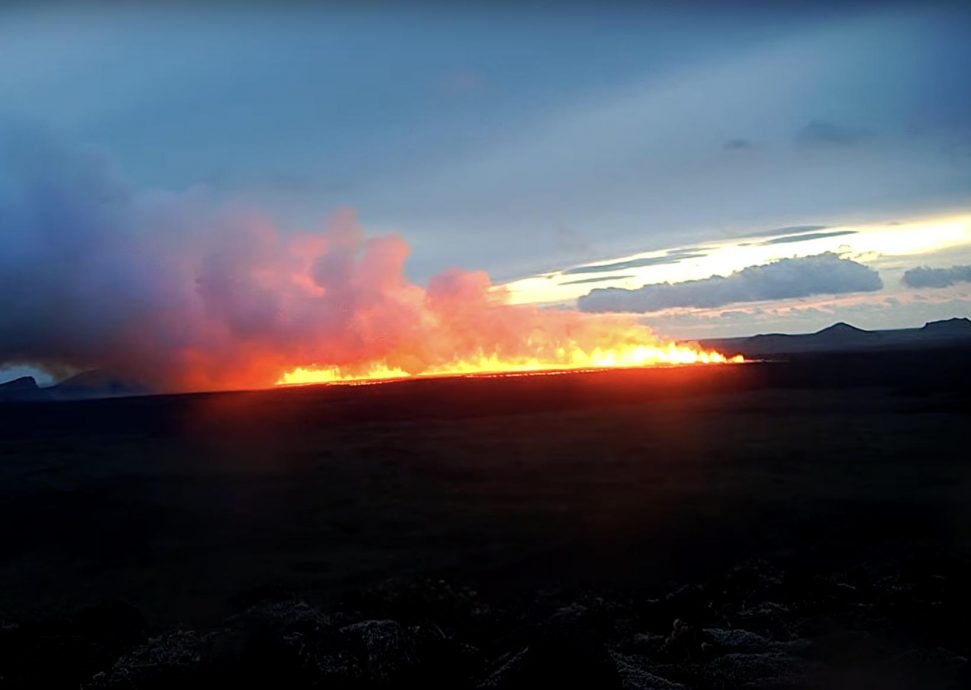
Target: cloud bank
[(923, 276), (783, 279)]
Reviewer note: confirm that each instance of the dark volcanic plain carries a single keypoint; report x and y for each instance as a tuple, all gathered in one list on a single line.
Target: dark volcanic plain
[(796, 523)]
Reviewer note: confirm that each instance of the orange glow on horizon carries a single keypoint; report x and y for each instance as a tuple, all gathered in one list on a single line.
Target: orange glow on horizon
[(657, 354)]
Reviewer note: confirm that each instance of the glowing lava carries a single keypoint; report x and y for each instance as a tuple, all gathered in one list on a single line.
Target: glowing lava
[(564, 359)]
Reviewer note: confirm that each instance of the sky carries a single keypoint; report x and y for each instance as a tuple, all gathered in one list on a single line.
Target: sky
[(715, 169)]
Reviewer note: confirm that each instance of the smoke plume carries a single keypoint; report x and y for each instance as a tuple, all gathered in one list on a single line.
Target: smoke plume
[(183, 294)]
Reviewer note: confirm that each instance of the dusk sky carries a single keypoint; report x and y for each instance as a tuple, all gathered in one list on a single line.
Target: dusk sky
[(764, 167)]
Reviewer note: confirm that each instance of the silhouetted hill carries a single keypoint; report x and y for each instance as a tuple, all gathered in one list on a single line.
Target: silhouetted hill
[(949, 327), (23, 383), (843, 337), (83, 386), (96, 383), (23, 388), (842, 330)]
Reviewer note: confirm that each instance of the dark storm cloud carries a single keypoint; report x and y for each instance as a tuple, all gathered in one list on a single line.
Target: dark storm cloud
[(805, 238), (670, 258), (923, 276), (823, 133), (783, 279)]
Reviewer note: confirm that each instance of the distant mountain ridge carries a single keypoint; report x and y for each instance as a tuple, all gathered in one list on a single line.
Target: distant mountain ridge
[(843, 337), (96, 383), (955, 326), (24, 383)]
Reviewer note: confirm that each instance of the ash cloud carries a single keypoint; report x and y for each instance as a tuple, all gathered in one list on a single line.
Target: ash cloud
[(926, 277), (185, 294), (783, 279)]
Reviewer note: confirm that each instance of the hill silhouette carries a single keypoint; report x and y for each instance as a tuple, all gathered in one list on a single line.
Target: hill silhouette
[(22, 388), (844, 337), (959, 326), (96, 383), (24, 383)]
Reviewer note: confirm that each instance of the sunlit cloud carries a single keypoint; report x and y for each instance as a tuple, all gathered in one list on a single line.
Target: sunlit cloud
[(782, 279), (876, 244)]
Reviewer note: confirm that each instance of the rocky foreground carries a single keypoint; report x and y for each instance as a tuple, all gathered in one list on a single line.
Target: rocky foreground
[(899, 624)]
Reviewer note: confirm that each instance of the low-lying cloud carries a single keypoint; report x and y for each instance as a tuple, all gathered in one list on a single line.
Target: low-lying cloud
[(924, 276), (822, 274)]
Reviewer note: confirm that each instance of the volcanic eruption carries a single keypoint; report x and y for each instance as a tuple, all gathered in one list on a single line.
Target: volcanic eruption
[(182, 294)]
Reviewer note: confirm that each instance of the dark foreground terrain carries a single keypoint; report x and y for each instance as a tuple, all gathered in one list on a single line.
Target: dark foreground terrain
[(799, 523)]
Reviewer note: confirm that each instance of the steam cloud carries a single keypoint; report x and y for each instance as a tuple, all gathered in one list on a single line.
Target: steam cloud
[(176, 292), (825, 273)]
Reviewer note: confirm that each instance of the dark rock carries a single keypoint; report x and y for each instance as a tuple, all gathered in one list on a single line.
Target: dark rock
[(283, 617), (393, 655), (647, 643), (736, 640), (455, 610), (769, 669), (691, 602), (683, 643), (388, 649), (638, 673), (225, 657), (766, 618), (557, 659), (170, 660), (753, 581)]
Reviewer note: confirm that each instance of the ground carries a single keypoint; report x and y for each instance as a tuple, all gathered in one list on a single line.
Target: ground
[(799, 523)]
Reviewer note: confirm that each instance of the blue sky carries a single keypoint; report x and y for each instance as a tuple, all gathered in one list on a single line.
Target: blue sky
[(520, 140)]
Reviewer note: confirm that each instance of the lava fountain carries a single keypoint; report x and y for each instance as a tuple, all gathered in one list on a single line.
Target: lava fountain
[(565, 359)]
